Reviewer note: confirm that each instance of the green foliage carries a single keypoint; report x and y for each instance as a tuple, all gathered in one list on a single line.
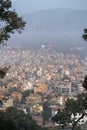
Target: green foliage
[(82, 101), (9, 21), (84, 84), (15, 119), (61, 118), (72, 107), (3, 71), (84, 127), (84, 36)]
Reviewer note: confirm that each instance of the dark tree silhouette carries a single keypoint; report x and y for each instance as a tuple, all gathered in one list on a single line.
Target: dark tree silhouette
[(46, 114), (72, 107), (9, 21), (84, 36), (3, 71), (13, 119), (84, 84)]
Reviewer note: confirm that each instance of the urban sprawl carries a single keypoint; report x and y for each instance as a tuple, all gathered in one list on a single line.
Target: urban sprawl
[(36, 76)]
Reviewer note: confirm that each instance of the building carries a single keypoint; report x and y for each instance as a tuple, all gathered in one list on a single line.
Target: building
[(41, 88)]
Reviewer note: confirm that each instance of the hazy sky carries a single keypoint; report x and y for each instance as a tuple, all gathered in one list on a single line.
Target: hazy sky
[(24, 6)]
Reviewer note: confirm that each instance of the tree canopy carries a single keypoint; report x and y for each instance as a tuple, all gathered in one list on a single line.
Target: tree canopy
[(13, 119), (73, 107), (84, 36), (84, 84), (9, 21)]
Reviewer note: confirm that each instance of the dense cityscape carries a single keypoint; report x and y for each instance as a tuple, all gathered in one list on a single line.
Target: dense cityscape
[(36, 76), (43, 71)]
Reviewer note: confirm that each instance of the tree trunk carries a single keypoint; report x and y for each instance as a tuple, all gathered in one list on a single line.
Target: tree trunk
[(73, 127), (43, 121)]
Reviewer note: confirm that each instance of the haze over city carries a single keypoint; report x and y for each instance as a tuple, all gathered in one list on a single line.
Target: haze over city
[(56, 22)]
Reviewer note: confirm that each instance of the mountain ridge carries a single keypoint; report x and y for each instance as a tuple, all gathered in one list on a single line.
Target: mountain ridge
[(55, 26)]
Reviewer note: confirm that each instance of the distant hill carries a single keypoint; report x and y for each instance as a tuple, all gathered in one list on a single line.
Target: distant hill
[(57, 20), (61, 27)]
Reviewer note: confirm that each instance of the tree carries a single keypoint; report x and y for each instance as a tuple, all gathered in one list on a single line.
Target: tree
[(84, 36), (84, 84), (46, 114), (72, 107), (16, 119), (3, 71), (64, 117), (9, 21), (84, 126), (68, 116)]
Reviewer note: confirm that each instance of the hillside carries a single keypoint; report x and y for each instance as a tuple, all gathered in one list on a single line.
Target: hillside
[(56, 26), (57, 20)]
